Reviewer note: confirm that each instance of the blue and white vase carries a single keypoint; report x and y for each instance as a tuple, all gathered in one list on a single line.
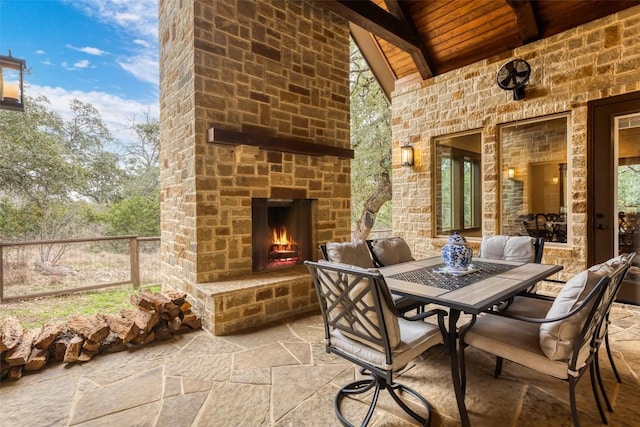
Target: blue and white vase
[(456, 253)]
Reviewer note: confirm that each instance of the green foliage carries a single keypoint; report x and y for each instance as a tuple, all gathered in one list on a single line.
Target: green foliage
[(57, 178), (628, 187), (370, 137), (51, 220), (135, 215)]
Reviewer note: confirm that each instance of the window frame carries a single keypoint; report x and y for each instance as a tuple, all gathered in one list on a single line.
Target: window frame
[(503, 167), (457, 194)]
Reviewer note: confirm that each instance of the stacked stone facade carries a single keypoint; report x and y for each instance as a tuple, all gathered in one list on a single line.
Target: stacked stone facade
[(593, 61), (274, 68)]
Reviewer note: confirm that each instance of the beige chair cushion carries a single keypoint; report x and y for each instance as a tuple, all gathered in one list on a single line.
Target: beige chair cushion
[(352, 253), (367, 320), (510, 248), (609, 266), (391, 251), (557, 339), (517, 341), (416, 338)]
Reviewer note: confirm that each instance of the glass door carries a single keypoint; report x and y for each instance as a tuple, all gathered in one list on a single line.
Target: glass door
[(627, 151)]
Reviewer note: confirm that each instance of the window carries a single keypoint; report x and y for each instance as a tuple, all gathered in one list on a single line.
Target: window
[(458, 184), (534, 184)]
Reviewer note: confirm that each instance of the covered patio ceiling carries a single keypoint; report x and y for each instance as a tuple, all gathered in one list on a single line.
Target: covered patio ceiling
[(424, 38)]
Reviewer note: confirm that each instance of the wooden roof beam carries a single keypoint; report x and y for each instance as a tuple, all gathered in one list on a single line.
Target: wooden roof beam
[(420, 56), (376, 20), (527, 24)]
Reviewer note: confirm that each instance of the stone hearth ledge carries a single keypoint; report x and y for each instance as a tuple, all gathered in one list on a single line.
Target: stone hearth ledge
[(255, 300)]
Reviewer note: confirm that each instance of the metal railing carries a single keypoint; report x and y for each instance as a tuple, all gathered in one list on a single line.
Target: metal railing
[(33, 269)]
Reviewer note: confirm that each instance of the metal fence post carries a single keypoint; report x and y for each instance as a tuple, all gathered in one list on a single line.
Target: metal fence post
[(135, 262)]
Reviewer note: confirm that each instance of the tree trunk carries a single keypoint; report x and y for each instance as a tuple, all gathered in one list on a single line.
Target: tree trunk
[(379, 197)]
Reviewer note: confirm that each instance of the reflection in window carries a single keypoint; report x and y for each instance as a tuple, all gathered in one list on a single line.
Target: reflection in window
[(458, 184), (534, 200)]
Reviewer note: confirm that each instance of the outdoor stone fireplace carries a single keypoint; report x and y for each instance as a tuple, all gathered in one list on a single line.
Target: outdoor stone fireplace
[(254, 106)]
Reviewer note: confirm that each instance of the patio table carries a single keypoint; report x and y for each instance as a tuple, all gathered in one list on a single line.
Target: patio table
[(488, 283)]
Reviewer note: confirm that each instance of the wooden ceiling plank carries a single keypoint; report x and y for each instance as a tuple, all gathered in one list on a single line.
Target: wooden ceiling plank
[(481, 33), (526, 19), (420, 56), (483, 21)]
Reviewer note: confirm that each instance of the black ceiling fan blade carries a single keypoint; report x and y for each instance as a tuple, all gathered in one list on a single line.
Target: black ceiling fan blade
[(508, 81)]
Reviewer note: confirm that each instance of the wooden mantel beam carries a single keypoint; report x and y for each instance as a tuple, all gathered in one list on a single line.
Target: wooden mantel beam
[(217, 135)]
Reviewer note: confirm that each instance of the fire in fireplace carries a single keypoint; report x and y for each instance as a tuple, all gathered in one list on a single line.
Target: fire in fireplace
[(281, 232)]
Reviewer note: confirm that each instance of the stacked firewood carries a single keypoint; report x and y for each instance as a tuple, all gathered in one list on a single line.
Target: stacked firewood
[(155, 316)]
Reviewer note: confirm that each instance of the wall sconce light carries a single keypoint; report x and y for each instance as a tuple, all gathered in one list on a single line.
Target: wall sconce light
[(511, 173), (406, 155), (555, 180), (11, 83)]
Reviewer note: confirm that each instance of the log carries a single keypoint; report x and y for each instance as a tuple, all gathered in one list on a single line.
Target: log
[(86, 355), (162, 330), (50, 332), (11, 333), (178, 298), (15, 373), (91, 346), (144, 320), (158, 302), (73, 349), (174, 324), (112, 344), (185, 306), (92, 328), (37, 359), (145, 337), (191, 320), (125, 329), (19, 354)]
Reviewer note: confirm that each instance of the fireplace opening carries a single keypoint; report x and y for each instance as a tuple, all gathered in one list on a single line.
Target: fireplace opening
[(281, 232)]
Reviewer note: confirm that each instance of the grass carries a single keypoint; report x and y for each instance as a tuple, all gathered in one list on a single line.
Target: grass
[(37, 312)]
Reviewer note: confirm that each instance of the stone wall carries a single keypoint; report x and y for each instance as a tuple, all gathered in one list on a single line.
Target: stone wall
[(593, 61), (273, 68)]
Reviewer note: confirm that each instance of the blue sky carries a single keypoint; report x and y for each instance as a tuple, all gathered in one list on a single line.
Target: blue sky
[(103, 52)]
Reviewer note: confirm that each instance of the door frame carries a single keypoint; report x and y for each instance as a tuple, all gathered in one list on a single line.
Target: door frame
[(601, 171)]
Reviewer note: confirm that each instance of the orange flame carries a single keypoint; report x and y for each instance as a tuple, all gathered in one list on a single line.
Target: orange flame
[(281, 238)]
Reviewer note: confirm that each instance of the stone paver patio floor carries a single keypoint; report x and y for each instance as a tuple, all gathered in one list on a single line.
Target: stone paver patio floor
[(281, 376)]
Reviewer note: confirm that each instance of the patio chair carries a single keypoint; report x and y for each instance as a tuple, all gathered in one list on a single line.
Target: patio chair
[(538, 305), (357, 253), (512, 248), (363, 326), (563, 344), (390, 251)]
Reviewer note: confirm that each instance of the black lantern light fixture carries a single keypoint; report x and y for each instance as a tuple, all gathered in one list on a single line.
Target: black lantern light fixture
[(406, 155), (12, 83)]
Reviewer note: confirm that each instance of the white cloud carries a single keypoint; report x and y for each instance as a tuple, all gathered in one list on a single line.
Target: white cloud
[(143, 67), (136, 17), (140, 20), (81, 64), (88, 50), (116, 112), (39, 52)]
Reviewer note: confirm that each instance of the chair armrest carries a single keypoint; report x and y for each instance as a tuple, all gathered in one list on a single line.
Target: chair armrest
[(437, 312), (420, 316), (592, 294)]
